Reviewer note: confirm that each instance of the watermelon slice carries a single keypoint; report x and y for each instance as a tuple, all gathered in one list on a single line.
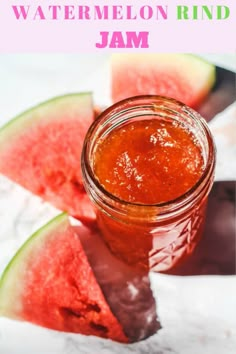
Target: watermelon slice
[(184, 77), (41, 150), (126, 289), (49, 282)]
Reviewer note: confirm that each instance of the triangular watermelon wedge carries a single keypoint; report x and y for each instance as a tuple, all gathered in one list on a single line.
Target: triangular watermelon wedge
[(185, 77), (49, 282), (41, 150)]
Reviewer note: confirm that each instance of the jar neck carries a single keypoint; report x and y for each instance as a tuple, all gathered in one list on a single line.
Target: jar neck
[(150, 107)]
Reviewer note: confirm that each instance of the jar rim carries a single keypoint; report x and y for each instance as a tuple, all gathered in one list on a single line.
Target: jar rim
[(151, 100)]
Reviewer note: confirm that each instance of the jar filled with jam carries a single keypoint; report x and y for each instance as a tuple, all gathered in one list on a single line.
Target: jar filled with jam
[(148, 165)]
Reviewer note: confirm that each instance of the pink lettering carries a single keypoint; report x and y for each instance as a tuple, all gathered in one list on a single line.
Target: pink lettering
[(84, 12), (54, 9), (117, 12), (21, 11), (100, 13), (39, 13), (129, 13), (69, 12), (162, 11), (146, 12), (137, 40)]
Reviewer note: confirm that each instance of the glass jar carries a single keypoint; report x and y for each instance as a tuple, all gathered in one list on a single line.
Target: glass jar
[(155, 236)]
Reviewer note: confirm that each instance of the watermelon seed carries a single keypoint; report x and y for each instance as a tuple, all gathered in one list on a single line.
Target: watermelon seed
[(93, 307), (98, 327), (77, 185), (85, 309), (70, 312)]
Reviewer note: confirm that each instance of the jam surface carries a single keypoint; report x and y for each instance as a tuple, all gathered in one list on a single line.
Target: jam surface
[(148, 161)]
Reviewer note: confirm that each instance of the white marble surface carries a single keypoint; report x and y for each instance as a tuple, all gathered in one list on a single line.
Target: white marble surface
[(198, 314)]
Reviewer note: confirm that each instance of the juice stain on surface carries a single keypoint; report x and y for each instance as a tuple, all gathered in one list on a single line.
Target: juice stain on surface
[(148, 161)]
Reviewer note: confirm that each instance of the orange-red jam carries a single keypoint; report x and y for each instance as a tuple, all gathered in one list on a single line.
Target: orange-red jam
[(149, 161)]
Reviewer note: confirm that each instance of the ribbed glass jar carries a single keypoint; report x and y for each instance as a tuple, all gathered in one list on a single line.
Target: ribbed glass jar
[(153, 236)]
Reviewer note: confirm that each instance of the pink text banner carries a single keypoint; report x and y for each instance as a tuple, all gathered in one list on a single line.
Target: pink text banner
[(128, 25)]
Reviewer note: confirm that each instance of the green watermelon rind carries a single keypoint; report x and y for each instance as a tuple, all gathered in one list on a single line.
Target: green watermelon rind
[(212, 69), (41, 112), (11, 277)]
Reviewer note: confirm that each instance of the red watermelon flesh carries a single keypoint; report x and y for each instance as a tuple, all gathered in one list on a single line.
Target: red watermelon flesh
[(49, 282), (184, 77), (41, 150), (126, 289)]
